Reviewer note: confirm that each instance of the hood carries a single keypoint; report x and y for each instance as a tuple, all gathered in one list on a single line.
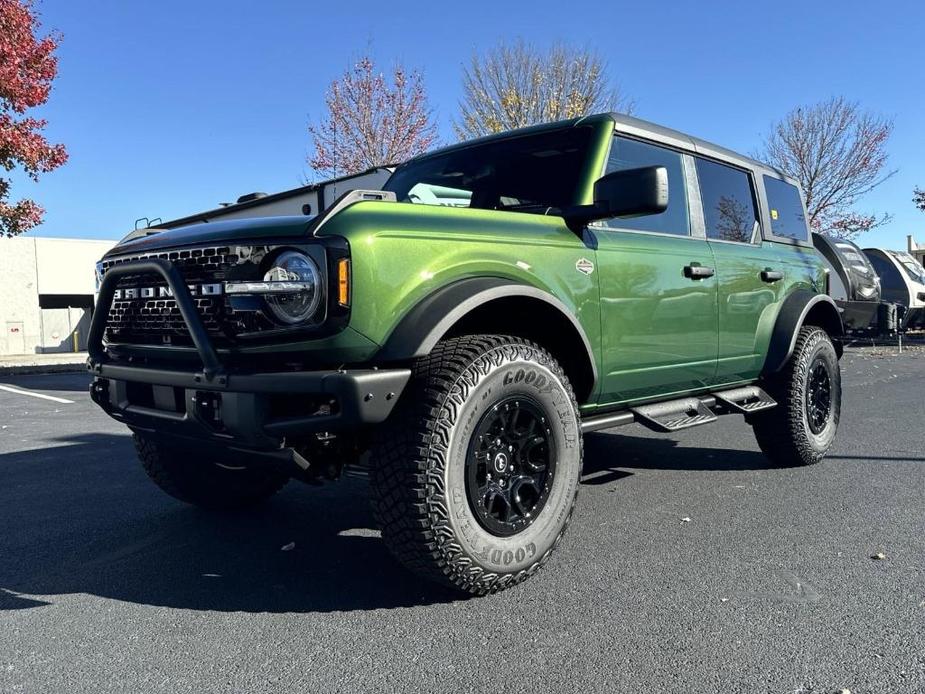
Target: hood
[(214, 232)]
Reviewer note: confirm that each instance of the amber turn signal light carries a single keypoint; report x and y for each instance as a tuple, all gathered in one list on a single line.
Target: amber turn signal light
[(343, 281)]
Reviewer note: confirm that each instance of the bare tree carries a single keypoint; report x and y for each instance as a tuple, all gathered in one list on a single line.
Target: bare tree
[(371, 122), (732, 220), (516, 84), (838, 153)]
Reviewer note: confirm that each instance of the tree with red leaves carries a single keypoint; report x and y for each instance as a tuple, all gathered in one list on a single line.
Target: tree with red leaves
[(27, 69), (371, 122), (838, 153)]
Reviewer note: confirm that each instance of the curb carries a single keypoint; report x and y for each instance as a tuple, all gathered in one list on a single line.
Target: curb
[(22, 369)]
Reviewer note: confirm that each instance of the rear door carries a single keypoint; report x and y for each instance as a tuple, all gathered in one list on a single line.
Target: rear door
[(749, 279), (658, 323)]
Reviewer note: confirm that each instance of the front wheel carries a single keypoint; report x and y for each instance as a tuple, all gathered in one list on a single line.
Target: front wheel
[(475, 477), (800, 430)]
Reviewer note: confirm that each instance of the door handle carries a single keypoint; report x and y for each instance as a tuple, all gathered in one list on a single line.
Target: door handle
[(771, 276), (698, 272)]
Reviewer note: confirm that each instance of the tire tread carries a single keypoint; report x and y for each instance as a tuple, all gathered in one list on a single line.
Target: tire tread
[(409, 460), (780, 432)]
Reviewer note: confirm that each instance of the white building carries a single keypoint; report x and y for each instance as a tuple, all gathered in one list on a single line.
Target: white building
[(47, 290)]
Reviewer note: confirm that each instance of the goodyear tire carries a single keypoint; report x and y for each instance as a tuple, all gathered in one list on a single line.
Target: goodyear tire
[(204, 482), (800, 430), (475, 476)]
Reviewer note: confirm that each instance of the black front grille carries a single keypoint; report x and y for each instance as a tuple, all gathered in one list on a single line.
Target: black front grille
[(137, 319), (196, 264), (147, 320)]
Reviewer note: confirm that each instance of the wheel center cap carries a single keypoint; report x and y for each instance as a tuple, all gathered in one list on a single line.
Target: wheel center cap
[(500, 462)]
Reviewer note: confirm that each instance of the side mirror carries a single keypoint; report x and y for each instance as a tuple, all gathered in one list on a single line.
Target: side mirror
[(627, 193), (632, 192)]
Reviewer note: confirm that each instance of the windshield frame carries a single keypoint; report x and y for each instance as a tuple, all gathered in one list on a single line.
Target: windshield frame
[(586, 172)]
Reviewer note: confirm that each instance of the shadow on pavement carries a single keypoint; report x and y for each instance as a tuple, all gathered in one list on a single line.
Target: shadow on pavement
[(74, 382), (605, 452), (82, 517)]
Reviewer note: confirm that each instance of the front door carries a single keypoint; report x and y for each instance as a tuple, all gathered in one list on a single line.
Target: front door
[(658, 297)]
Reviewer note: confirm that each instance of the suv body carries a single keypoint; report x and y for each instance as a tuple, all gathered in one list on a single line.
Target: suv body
[(692, 302)]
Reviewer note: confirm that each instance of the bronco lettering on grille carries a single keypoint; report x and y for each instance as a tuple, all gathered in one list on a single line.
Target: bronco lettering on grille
[(214, 289)]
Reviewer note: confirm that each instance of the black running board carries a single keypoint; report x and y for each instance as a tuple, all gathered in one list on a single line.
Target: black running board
[(746, 399), (683, 413), (674, 415)]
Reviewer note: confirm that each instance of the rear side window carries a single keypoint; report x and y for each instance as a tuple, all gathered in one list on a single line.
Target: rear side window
[(728, 202), (631, 154), (786, 209)]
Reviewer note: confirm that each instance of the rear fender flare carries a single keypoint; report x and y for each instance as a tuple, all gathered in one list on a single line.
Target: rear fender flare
[(801, 307)]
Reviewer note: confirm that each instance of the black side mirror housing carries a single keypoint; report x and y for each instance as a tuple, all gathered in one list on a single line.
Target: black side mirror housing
[(632, 192), (626, 193)]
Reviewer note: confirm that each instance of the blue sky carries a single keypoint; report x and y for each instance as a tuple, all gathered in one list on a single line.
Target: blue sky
[(168, 108)]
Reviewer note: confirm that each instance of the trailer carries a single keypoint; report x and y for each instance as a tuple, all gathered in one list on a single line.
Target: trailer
[(853, 283), (902, 281)]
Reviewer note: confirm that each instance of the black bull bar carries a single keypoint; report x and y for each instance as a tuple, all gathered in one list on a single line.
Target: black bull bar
[(363, 396), (211, 366)]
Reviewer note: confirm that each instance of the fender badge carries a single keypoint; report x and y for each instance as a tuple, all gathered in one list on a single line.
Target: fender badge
[(584, 266)]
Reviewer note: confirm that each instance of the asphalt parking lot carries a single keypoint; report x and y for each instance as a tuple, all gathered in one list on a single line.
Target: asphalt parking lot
[(106, 584)]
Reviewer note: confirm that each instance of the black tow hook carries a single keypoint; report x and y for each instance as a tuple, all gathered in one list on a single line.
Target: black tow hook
[(99, 391)]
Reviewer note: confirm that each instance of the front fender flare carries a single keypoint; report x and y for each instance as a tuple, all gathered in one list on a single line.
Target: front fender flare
[(791, 317), (430, 319)]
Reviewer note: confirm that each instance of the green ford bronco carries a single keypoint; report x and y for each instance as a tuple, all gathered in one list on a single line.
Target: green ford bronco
[(454, 335)]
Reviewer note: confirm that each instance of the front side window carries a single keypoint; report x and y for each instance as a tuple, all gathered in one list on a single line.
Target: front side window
[(786, 208), (632, 154), (729, 211), (529, 173)]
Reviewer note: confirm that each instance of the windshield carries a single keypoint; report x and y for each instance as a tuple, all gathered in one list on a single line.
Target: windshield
[(912, 267), (529, 173)]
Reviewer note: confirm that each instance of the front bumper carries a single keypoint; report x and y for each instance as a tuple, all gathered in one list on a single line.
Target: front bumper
[(260, 411), (257, 411)]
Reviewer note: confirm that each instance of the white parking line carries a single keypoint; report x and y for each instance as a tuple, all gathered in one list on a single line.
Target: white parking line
[(35, 395)]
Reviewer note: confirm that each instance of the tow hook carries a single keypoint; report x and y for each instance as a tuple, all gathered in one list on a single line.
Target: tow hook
[(99, 391), (209, 408)]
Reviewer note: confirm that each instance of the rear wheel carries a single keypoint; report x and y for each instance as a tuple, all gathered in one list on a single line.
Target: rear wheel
[(206, 481), (475, 476), (800, 430)]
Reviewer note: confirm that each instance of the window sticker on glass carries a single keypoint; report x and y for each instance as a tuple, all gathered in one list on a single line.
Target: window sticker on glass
[(787, 218)]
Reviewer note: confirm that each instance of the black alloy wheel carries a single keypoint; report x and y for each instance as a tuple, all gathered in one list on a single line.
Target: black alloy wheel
[(510, 466), (818, 396)]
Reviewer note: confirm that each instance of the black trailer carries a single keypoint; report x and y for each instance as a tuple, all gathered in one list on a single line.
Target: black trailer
[(853, 283)]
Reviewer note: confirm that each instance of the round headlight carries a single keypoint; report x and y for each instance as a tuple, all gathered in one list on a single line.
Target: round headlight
[(297, 290)]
